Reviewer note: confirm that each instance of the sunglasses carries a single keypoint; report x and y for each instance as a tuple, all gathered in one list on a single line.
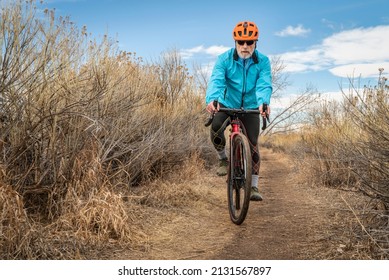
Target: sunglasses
[(249, 43)]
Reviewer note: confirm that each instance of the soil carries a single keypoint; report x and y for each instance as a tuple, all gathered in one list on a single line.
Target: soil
[(294, 221)]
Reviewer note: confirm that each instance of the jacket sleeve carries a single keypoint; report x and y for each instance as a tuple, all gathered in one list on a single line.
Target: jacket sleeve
[(217, 82), (264, 88)]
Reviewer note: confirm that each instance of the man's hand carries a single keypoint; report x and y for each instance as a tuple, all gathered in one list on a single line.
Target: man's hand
[(264, 113), (211, 107)]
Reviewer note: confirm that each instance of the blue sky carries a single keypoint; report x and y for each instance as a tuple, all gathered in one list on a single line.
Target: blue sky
[(321, 42)]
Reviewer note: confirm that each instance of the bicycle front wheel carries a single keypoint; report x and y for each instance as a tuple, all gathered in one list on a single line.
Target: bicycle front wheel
[(239, 179)]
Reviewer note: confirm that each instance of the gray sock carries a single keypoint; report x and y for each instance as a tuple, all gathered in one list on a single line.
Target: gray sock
[(254, 180), (222, 154)]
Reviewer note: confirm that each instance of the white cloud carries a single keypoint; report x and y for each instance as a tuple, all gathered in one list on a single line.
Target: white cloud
[(359, 51), (358, 45), (216, 50), (360, 70), (309, 60), (299, 30), (284, 101), (332, 96), (188, 53), (288, 100), (212, 51)]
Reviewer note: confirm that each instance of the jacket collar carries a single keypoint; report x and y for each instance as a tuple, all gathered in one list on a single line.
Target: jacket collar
[(254, 56)]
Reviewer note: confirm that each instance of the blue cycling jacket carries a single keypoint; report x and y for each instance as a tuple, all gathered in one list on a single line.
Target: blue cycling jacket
[(238, 83)]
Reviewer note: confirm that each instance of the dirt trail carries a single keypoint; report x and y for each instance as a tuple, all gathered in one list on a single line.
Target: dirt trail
[(292, 222)]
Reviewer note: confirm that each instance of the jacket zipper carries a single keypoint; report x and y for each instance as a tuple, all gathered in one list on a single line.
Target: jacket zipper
[(244, 81)]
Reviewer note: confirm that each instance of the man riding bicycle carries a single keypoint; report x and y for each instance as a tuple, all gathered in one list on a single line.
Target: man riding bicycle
[(241, 78)]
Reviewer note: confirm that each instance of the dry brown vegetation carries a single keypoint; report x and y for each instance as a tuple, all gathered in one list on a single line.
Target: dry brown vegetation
[(346, 148), (81, 122)]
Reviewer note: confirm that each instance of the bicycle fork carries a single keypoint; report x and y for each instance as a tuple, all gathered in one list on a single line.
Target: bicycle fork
[(236, 175), (234, 131)]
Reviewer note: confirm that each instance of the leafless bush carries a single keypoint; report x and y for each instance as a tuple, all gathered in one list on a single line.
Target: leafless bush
[(293, 116), (347, 146), (82, 122), (280, 79), (369, 110), (328, 145)]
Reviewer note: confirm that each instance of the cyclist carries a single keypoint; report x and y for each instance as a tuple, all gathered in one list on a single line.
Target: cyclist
[(241, 78)]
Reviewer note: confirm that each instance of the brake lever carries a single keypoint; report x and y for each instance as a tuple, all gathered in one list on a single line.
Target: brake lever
[(266, 118), (210, 118)]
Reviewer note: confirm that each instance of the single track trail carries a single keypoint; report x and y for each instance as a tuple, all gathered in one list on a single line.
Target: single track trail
[(294, 221)]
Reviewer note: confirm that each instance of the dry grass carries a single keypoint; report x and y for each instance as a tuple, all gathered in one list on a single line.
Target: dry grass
[(287, 143), (345, 148), (173, 191), (81, 124), (15, 227)]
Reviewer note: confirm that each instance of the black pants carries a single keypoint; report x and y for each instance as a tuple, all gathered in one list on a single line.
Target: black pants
[(250, 122)]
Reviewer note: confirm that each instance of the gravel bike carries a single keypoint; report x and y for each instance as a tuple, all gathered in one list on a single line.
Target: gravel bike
[(240, 164)]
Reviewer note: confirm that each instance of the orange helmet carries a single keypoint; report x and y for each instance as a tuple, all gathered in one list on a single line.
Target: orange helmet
[(245, 30)]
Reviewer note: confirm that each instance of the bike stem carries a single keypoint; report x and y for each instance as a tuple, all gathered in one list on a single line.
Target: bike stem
[(235, 127)]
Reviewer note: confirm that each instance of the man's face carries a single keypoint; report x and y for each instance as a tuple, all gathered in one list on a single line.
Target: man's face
[(245, 49)]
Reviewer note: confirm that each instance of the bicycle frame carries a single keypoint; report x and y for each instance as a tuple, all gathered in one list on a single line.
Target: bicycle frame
[(235, 130)]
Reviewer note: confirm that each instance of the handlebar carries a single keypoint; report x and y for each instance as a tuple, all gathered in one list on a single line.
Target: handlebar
[(240, 111)]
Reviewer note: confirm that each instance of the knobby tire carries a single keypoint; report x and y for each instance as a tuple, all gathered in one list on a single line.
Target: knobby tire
[(239, 179)]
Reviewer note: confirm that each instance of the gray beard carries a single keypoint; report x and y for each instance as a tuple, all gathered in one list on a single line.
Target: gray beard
[(246, 56)]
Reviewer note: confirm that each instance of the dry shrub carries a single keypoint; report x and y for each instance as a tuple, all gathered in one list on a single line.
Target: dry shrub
[(138, 120), (169, 195), (327, 156), (15, 228), (347, 148), (192, 168), (100, 218), (173, 191), (82, 121), (91, 208), (370, 114)]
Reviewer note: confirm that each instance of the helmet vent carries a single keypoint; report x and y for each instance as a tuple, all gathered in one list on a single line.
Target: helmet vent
[(246, 30)]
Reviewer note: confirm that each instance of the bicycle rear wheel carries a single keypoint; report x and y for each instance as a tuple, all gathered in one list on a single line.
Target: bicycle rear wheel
[(239, 179)]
